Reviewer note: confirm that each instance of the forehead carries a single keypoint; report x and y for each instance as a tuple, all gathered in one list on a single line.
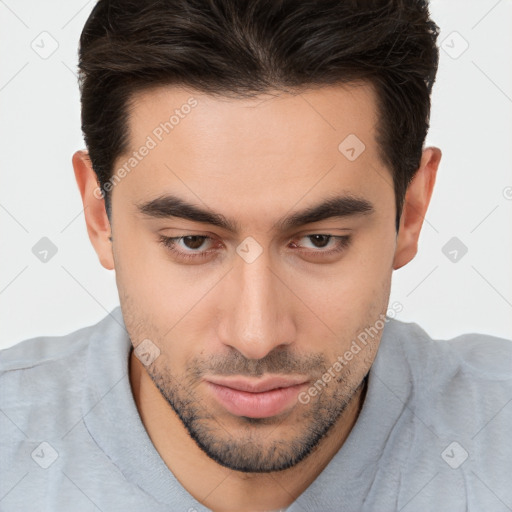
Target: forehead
[(275, 145), (302, 121)]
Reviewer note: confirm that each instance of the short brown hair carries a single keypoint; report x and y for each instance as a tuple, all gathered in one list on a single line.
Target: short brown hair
[(242, 48)]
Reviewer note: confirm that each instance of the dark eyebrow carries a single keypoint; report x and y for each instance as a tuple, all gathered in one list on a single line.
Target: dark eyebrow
[(340, 206), (173, 206)]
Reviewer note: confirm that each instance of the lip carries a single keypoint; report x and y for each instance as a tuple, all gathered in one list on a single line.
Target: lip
[(260, 398)]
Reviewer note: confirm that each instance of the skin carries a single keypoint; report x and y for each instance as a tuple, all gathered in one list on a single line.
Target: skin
[(291, 311)]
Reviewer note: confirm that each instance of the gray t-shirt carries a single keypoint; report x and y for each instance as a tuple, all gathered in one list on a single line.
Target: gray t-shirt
[(434, 433)]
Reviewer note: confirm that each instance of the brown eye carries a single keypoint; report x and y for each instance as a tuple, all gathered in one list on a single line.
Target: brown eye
[(321, 247), (191, 249), (320, 240), (193, 241)]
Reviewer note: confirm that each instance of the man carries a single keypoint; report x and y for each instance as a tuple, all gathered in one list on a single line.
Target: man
[(255, 172)]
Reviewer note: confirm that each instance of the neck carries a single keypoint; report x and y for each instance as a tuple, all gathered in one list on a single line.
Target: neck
[(219, 488)]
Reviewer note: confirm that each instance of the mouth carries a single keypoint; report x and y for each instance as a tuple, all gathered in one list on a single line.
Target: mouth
[(260, 398)]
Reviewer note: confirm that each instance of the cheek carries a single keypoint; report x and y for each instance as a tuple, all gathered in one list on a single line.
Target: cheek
[(164, 301), (146, 282), (141, 264), (355, 289)]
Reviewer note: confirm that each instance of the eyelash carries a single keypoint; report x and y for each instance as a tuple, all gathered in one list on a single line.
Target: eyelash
[(171, 242), (342, 242)]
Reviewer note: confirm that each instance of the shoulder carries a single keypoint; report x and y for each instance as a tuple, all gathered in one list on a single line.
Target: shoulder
[(459, 415), (43, 351), (47, 351), (36, 369), (456, 385), (44, 377), (484, 356)]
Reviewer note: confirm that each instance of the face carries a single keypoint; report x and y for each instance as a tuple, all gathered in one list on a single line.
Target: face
[(253, 242)]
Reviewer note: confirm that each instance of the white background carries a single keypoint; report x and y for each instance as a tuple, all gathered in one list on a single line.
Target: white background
[(40, 129)]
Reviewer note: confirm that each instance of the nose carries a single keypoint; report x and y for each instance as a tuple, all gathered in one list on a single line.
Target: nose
[(257, 310)]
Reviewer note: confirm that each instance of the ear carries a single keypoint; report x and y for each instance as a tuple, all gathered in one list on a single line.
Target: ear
[(96, 219), (417, 199)]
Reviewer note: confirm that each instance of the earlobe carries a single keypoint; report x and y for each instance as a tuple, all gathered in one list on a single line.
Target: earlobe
[(417, 199), (96, 219)]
